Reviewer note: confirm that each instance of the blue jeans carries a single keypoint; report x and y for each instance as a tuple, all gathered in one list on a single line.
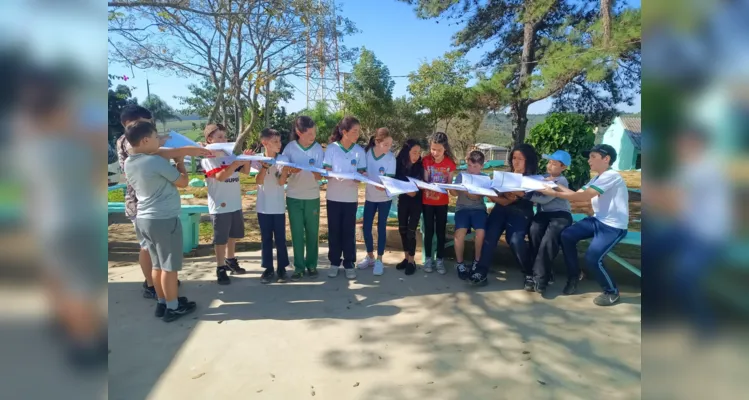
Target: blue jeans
[(273, 226), (515, 226), (604, 239), (383, 210)]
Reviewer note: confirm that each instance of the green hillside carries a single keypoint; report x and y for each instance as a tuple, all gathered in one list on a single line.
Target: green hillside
[(185, 127)]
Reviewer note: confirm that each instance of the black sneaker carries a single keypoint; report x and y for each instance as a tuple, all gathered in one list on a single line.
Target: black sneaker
[(312, 273), (297, 276), (233, 265), (183, 309), (267, 276), (478, 279), (150, 293), (463, 272), (571, 287), (283, 277), (529, 285), (402, 265), (606, 299), (551, 277), (221, 277), (539, 288), (161, 308), (410, 268)]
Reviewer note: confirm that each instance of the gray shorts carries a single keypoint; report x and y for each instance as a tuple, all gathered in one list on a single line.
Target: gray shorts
[(139, 237), (163, 238), (227, 225)]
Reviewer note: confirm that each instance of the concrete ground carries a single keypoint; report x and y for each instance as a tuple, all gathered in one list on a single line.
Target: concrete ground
[(392, 337)]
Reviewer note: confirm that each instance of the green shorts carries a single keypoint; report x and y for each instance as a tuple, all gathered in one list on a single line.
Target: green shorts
[(163, 239)]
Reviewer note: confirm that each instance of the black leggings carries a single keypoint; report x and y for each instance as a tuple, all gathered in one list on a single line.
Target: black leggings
[(435, 215), (409, 212)]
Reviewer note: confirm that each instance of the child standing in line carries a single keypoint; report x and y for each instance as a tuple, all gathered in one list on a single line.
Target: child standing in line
[(380, 162), (552, 217), (155, 182), (224, 204), (271, 207), (470, 213), (409, 204), (438, 168), (343, 155), (303, 197)]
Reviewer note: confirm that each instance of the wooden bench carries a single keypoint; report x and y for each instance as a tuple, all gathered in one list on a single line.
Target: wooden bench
[(190, 218)]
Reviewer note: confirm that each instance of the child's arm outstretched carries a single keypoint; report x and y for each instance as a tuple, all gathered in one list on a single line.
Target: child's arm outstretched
[(181, 152), (183, 179), (226, 173)]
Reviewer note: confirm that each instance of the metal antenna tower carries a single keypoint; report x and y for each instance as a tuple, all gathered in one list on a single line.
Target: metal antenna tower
[(323, 65)]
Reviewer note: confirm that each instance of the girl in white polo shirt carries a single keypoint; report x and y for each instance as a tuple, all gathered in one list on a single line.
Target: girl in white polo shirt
[(303, 197), (380, 162), (343, 155)]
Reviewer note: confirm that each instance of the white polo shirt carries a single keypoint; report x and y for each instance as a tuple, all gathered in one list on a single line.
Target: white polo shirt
[(611, 206), (303, 185), (348, 160), (223, 196), (377, 167), (271, 197)]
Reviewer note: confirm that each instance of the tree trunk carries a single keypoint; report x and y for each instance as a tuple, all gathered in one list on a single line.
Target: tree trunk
[(606, 6), (519, 111)]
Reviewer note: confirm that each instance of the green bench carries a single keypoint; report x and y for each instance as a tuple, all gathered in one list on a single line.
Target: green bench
[(190, 218), (632, 238)]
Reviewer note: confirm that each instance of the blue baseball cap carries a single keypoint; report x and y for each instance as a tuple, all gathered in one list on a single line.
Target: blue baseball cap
[(559, 155)]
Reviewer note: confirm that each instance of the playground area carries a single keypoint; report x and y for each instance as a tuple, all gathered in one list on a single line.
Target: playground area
[(387, 337)]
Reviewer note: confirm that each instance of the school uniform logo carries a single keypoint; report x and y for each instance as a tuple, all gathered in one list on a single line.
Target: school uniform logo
[(382, 170), (353, 162), (311, 161)]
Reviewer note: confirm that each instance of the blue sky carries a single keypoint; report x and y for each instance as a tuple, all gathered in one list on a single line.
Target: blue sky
[(402, 46)]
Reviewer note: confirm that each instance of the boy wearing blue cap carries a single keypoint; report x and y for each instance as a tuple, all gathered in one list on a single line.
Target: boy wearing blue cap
[(609, 198), (553, 216)]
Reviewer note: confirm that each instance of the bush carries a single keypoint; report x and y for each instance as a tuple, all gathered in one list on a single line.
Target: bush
[(568, 132)]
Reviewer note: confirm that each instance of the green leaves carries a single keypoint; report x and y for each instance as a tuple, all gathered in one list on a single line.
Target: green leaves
[(368, 92), (568, 132), (440, 86)]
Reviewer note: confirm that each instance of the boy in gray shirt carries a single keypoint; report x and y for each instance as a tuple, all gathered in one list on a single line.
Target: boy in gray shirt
[(553, 216), (155, 182), (470, 212)]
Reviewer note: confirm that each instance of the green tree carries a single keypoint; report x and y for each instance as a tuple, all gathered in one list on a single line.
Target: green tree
[(537, 48), (407, 122), (440, 87), (568, 132), (368, 92), (325, 120), (117, 99), (161, 111)]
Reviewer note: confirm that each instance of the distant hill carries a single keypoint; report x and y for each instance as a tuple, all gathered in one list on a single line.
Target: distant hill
[(497, 128), (190, 117)]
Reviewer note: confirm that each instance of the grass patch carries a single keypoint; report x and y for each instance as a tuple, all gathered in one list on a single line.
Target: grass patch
[(205, 232), (116, 196)]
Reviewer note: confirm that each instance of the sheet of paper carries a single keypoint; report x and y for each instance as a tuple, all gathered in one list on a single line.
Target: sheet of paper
[(363, 179), (258, 158), (310, 168), (531, 184), (427, 186), (507, 180), (481, 181), (176, 141), (344, 175), (226, 148), (481, 191), (395, 187), (452, 186)]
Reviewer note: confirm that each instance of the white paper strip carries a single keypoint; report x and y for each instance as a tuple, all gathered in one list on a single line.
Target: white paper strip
[(395, 187), (427, 186)]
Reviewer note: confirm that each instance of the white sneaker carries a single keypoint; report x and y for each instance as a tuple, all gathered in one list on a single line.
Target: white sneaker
[(441, 267), (333, 271), (378, 269), (366, 263), (429, 265), (350, 273)]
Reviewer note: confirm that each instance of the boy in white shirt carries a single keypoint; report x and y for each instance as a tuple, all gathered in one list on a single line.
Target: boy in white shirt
[(224, 204), (609, 197), (271, 207)]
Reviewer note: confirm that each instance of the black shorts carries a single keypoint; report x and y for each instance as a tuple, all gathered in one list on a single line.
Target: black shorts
[(227, 225)]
